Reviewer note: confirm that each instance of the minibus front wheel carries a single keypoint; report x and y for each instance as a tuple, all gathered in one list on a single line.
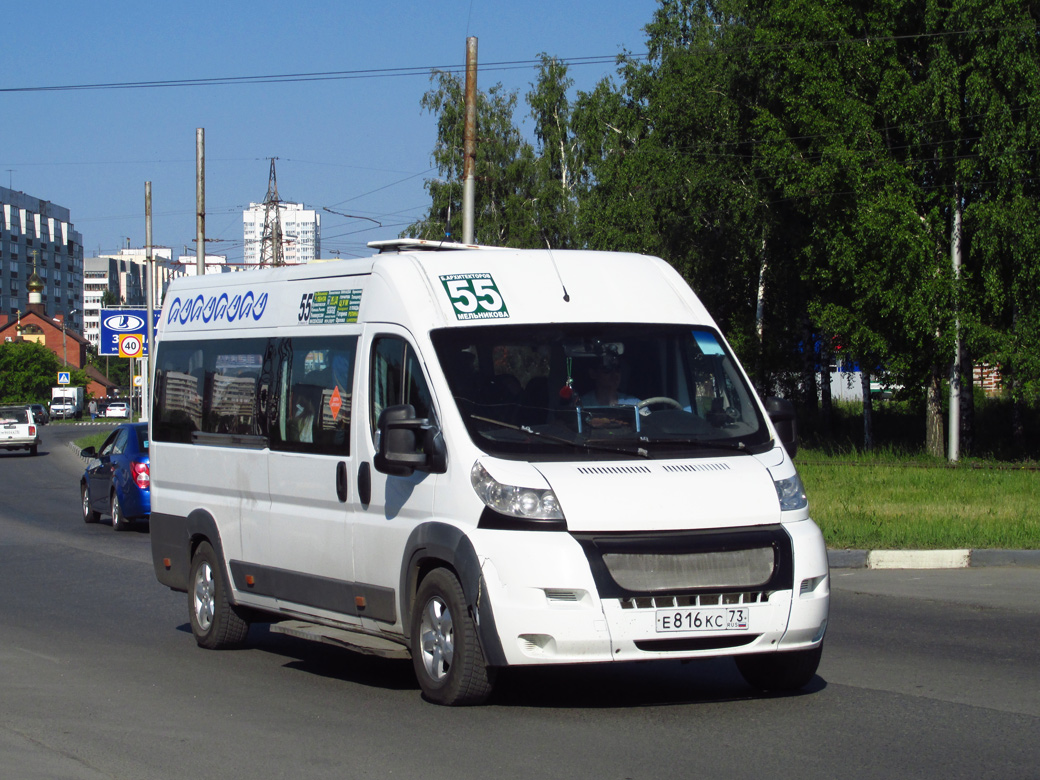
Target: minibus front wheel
[(214, 622), (446, 653)]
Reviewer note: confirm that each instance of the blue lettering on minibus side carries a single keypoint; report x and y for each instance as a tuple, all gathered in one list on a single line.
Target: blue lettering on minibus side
[(217, 308)]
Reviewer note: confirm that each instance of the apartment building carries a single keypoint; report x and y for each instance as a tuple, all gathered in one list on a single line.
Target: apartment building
[(38, 236), (300, 234)]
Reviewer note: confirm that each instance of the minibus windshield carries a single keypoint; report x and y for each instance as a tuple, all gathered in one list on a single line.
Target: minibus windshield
[(599, 390)]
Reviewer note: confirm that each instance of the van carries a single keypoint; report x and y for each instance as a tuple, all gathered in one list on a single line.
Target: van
[(479, 458)]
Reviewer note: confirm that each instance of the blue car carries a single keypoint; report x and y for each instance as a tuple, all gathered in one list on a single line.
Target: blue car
[(117, 481)]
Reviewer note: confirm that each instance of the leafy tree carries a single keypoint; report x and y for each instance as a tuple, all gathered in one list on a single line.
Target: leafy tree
[(504, 209), (28, 371), (556, 166), (805, 164)]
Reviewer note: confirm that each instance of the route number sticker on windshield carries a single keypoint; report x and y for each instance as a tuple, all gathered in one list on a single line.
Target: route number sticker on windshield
[(474, 296)]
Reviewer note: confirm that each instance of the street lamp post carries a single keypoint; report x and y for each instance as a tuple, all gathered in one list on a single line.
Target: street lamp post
[(64, 350)]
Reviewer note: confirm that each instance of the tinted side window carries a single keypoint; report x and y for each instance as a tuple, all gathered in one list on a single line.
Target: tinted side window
[(314, 382), (397, 378), (208, 386)]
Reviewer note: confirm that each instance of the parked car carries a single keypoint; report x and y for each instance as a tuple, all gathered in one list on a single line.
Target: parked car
[(117, 409), (40, 414), (117, 481), (18, 429)]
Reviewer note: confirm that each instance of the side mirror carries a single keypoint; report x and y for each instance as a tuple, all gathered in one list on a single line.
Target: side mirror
[(781, 412), (89, 452), (408, 443)]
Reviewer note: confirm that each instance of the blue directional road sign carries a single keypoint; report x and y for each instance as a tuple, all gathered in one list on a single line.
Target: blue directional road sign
[(117, 322)]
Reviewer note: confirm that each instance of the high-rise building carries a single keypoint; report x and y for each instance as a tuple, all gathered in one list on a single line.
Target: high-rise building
[(299, 228), (38, 236)]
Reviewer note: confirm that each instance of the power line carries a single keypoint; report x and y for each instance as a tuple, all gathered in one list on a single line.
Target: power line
[(425, 70), (367, 73)]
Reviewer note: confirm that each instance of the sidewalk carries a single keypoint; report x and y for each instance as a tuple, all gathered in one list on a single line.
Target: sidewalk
[(930, 559)]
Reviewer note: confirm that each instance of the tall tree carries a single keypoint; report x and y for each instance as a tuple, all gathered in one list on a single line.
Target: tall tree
[(504, 207)]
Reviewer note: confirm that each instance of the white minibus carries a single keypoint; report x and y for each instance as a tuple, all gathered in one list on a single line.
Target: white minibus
[(476, 458)]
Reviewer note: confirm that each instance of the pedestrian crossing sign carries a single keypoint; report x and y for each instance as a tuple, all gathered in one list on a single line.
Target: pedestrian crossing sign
[(64, 377)]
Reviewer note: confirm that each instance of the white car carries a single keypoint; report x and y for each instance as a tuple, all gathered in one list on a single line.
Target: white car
[(18, 429), (118, 409)]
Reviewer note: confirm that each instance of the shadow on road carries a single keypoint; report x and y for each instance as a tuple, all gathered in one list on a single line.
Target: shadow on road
[(582, 686)]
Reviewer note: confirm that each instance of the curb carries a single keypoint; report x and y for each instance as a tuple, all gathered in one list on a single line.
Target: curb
[(930, 559)]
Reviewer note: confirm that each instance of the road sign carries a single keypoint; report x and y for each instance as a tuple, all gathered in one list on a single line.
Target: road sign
[(131, 345), (138, 380), (115, 322), (64, 378)]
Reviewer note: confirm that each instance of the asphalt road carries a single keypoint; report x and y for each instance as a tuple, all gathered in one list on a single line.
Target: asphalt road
[(926, 674)]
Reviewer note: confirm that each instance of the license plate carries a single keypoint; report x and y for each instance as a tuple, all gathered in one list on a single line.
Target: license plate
[(718, 619)]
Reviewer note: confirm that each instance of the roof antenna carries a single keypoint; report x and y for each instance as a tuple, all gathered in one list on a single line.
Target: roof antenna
[(566, 295)]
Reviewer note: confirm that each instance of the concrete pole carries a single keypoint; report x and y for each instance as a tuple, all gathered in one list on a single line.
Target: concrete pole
[(469, 158), (955, 371), (200, 200), (146, 367)]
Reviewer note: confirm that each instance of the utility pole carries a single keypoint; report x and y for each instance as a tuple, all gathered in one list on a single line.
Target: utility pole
[(469, 158), (200, 200), (271, 240), (149, 269)]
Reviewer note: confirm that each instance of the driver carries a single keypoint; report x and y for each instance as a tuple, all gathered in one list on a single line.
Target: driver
[(606, 379)]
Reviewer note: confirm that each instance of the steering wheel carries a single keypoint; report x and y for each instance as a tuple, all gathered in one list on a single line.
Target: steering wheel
[(659, 399)]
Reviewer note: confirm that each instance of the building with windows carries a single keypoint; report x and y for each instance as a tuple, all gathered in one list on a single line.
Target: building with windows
[(300, 230), (124, 277), (188, 265), (37, 236)]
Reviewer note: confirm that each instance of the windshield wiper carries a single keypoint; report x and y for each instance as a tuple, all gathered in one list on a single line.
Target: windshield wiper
[(585, 445)]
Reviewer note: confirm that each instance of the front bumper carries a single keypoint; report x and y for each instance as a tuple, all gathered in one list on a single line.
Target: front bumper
[(551, 605)]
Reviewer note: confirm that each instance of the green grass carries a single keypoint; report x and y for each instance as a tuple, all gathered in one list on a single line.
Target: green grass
[(94, 440), (897, 502)]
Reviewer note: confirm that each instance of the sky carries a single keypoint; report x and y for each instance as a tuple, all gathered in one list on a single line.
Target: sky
[(358, 144)]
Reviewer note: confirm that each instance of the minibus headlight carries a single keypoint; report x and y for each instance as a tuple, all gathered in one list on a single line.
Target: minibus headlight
[(791, 493), (515, 501)]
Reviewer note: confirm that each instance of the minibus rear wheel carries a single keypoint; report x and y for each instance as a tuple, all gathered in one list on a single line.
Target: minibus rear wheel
[(446, 653), (780, 671), (214, 622)]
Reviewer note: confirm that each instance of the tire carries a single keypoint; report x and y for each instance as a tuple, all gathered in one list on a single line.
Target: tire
[(33, 450), (89, 515), (449, 663), (214, 622), (119, 521), (780, 671)]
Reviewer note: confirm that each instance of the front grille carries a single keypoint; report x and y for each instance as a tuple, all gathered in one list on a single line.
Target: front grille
[(643, 572), (695, 600), (690, 564)]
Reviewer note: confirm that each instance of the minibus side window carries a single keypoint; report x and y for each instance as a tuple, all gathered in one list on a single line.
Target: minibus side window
[(314, 383), (207, 386), (397, 378)]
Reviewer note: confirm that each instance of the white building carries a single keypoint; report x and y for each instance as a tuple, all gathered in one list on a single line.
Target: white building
[(188, 265), (124, 276), (300, 229), (37, 232)]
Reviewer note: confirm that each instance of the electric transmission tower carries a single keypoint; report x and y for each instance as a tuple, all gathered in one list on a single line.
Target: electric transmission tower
[(271, 241)]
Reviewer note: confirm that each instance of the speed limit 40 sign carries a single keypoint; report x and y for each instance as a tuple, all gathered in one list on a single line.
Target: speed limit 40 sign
[(131, 345)]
